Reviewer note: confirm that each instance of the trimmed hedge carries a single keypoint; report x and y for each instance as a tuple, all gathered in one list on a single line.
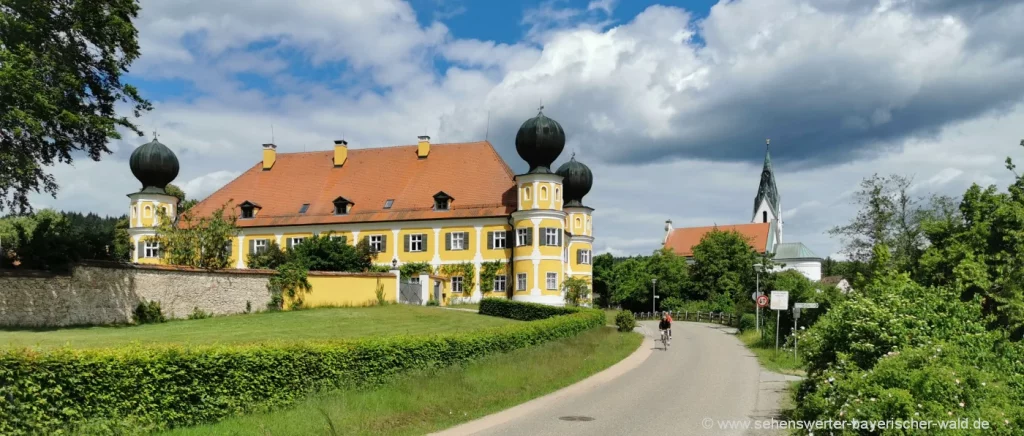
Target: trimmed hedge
[(160, 387), (519, 310)]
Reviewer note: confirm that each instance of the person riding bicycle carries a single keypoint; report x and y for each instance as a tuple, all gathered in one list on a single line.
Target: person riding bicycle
[(665, 324), (668, 315)]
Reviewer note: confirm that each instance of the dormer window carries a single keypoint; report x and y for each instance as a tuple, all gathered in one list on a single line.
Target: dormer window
[(342, 206), (249, 209), (442, 201)]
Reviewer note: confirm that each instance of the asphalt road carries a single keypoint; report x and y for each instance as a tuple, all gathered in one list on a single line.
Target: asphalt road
[(704, 377)]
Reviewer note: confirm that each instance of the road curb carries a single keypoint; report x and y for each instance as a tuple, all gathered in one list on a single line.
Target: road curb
[(495, 419)]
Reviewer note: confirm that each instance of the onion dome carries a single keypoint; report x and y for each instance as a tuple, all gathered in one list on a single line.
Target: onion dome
[(539, 142), (576, 182), (154, 165)]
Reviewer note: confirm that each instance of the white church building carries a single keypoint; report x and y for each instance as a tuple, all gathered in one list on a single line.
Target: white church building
[(763, 233)]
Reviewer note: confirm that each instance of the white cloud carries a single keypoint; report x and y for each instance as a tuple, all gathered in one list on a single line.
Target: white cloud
[(670, 113)]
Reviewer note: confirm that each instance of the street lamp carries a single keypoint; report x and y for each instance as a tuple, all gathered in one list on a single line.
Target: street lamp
[(654, 293), (394, 263), (757, 293)]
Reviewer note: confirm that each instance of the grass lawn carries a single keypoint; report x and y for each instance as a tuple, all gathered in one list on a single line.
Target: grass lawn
[(782, 362), (609, 316), (473, 306), (426, 401), (310, 324)]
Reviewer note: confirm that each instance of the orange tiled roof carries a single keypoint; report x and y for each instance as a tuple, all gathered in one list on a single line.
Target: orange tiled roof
[(682, 240), (473, 174)]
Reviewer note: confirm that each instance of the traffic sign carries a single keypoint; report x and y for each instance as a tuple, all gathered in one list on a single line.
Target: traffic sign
[(806, 305), (780, 300), (762, 301)]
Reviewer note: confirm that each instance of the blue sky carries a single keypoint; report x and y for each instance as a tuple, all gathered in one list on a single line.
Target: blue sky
[(668, 102)]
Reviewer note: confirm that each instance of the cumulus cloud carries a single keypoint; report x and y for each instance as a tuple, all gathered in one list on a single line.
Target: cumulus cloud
[(669, 110)]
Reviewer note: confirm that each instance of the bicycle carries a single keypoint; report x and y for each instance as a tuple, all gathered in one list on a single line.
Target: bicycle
[(664, 339)]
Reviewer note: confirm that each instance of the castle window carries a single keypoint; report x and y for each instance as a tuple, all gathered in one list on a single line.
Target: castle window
[(552, 281), (151, 249), (377, 243), (343, 239), (248, 209), (526, 193), (442, 200), (147, 212), (499, 283), (304, 208), (521, 282), (583, 257), (764, 216), (415, 243), (257, 246), (135, 211), (551, 236), (543, 192), (341, 206), (499, 239), (524, 237), (457, 284), (457, 241), (295, 242), (578, 222)]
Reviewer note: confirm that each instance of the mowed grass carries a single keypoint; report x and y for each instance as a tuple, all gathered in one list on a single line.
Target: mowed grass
[(310, 324), (426, 401), (782, 361), (472, 306)]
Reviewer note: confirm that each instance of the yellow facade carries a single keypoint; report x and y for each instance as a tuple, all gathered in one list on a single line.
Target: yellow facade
[(328, 289)]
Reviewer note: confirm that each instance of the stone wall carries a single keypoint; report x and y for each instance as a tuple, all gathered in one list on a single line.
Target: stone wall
[(101, 293)]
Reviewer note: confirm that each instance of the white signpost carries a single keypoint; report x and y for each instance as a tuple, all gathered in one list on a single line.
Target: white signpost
[(796, 320), (780, 302)]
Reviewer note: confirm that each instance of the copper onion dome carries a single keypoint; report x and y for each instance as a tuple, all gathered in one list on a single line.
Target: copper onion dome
[(576, 181), (539, 142), (154, 165)]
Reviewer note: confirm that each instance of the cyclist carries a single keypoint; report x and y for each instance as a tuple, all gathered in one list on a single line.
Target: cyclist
[(665, 325), (668, 315)]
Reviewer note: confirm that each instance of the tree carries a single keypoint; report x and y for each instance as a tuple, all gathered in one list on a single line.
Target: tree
[(291, 281), (321, 253), (723, 265), (672, 274), (202, 244), (888, 215), (602, 271), (271, 258), (576, 289), (50, 243), (631, 284), (61, 64), (184, 204), (122, 244)]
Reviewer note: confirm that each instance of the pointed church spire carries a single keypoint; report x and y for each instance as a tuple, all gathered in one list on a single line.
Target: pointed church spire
[(767, 189)]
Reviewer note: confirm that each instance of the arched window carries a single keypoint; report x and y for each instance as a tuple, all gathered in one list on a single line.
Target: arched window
[(147, 212), (578, 222), (764, 216), (543, 192), (135, 211), (556, 195), (526, 193)]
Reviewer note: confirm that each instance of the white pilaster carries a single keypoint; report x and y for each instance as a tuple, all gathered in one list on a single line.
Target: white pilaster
[(536, 194), (436, 260), (241, 251), (355, 237), (395, 244), (135, 248), (398, 284)]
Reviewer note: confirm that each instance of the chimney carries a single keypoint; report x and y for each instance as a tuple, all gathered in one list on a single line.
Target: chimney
[(668, 230), (340, 152), (269, 156), (424, 147)]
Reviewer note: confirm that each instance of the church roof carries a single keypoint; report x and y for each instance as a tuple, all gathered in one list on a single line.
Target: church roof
[(767, 189), (832, 280), (682, 240), (793, 250), (383, 184)]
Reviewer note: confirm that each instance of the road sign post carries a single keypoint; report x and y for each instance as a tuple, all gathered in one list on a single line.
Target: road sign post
[(779, 302), (796, 320)]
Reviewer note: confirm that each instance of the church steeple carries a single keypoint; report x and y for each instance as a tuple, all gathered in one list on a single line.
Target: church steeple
[(767, 191)]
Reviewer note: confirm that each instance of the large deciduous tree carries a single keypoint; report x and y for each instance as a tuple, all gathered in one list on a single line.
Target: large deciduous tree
[(61, 65), (723, 265), (205, 243)]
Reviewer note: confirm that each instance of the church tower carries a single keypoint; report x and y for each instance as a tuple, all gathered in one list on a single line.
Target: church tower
[(576, 183), (155, 166), (539, 221), (767, 207)]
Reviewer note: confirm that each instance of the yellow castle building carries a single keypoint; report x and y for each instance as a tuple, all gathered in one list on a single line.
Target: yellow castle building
[(436, 203)]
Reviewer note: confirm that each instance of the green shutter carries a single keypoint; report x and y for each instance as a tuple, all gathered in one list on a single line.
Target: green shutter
[(465, 240), (579, 256), (406, 239), (344, 240), (383, 243), (490, 240), (448, 242), (141, 249), (252, 246), (529, 236), (425, 242)]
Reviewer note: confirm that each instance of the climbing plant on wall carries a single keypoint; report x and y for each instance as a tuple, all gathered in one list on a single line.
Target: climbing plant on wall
[(413, 269), (464, 270), (488, 270)]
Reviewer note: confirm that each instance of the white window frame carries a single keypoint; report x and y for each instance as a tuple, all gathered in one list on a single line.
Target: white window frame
[(416, 241), (502, 280), (501, 236), (458, 241), (260, 245), (551, 236), (151, 249), (521, 281), (457, 285), (296, 240), (339, 238), (585, 257), (552, 281), (521, 235), (377, 243)]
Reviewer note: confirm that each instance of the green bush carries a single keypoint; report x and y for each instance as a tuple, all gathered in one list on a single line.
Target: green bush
[(198, 313), (503, 308), (161, 387), (625, 321), (748, 322), (148, 313), (432, 302)]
